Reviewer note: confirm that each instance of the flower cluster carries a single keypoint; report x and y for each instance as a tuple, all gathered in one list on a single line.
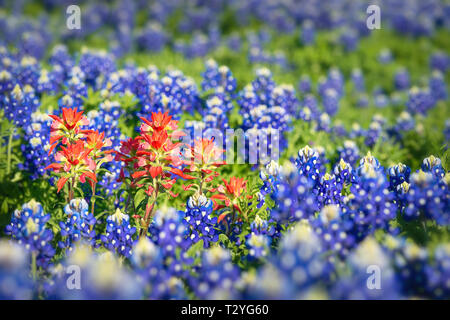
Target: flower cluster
[(119, 234), (79, 224), (80, 154), (28, 227)]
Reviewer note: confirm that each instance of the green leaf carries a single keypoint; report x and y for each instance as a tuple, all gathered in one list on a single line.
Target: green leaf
[(195, 249)]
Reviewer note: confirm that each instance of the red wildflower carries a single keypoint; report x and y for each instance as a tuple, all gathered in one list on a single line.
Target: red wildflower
[(67, 129), (231, 193)]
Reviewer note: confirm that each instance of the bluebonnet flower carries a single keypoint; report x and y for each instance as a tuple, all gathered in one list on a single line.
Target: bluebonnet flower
[(328, 190), (234, 42), (433, 165), (401, 79), (344, 174), (152, 38), (110, 180), (66, 101), (270, 175), (298, 267), (447, 130), (119, 233), (118, 82), (216, 276), (409, 261), (261, 114), (362, 100), (173, 92), (358, 80), (158, 282), (324, 123), (427, 198), (419, 101), (218, 78), (95, 64), (61, 57), (438, 273), (398, 174), (284, 96), (46, 83), (439, 61), (334, 228), (349, 152), (34, 43), (233, 230), (381, 99), (308, 164), (293, 196), (27, 71), (438, 87), (75, 90), (369, 258), (170, 233), (200, 221), (371, 205), (308, 33), (28, 227), (261, 226), (20, 104), (349, 39), (306, 114), (15, 284), (385, 56), (373, 134), (339, 129), (380, 119), (334, 80), (263, 84), (259, 238), (215, 114), (35, 151), (142, 83), (356, 131), (279, 59), (258, 245), (199, 46), (101, 276), (304, 85), (79, 224), (106, 119), (405, 122), (6, 81)]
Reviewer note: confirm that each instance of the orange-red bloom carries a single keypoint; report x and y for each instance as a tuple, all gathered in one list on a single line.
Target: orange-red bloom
[(67, 129), (236, 186), (74, 159), (231, 194), (204, 152), (159, 122)]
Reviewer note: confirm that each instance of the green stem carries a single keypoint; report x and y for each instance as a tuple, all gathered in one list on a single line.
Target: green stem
[(424, 224), (233, 218), (71, 189), (92, 204), (33, 266), (149, 215), (8, 166), (93, 200)]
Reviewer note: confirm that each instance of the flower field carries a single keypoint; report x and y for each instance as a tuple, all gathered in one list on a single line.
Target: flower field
[(224, 150)]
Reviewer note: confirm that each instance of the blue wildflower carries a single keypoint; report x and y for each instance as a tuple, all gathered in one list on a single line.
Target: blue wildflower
[(28, 227)]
